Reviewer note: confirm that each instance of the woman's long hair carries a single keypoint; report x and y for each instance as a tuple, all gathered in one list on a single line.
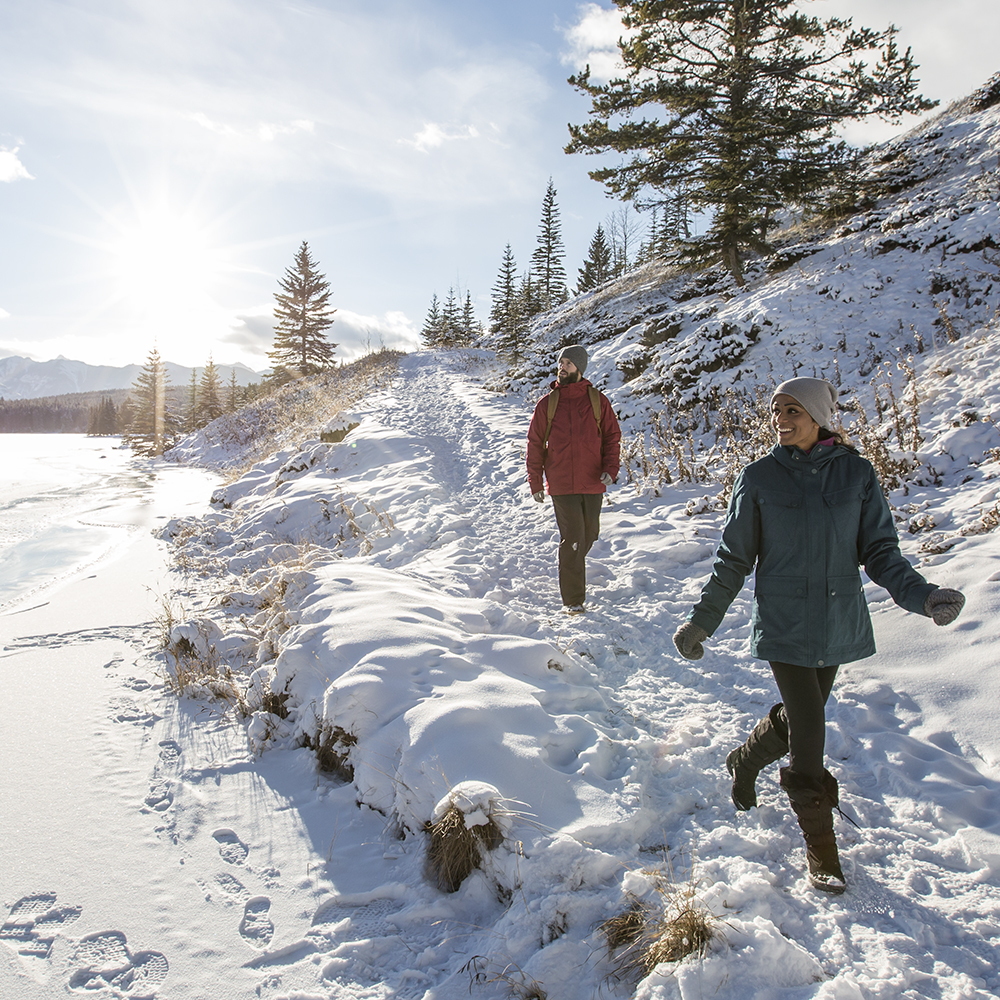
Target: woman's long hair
[(839, 437)]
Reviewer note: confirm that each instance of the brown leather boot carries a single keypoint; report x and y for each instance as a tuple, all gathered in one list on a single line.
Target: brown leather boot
[(813, 803), (767, 743)]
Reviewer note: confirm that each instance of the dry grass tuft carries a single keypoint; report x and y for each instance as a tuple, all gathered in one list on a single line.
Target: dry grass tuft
[(332, 745), (520, 986), (647, 934), (455, 850)]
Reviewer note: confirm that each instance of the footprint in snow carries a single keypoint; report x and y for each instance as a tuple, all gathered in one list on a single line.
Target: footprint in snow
[(160, 796), (170, 753), (103, 962), (256, 927), (231, 848), (33, 920)]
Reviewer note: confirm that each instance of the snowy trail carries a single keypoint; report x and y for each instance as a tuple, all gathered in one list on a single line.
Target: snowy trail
[(443, 648), (930, 816)]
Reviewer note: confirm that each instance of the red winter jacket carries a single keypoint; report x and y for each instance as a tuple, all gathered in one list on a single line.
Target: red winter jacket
[(578, 452)]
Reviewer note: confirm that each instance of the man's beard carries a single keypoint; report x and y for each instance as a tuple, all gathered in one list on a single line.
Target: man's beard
[(567, 377)]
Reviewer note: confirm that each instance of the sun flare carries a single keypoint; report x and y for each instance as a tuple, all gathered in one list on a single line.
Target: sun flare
[(165, 260)]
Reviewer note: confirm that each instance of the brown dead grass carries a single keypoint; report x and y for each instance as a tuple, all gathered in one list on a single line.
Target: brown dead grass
[(456, 850)]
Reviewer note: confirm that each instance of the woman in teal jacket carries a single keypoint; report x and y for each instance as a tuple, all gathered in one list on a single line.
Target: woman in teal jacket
[(807, 516)]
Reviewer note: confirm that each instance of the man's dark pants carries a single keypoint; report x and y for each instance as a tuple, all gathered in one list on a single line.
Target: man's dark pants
[(578, 516)]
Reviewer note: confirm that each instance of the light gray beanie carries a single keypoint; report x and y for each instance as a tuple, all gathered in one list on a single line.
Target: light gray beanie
[(577, 355), (818, 396)]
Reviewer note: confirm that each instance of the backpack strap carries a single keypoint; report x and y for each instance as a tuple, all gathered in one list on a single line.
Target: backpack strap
[(595, 402), (553, 403)]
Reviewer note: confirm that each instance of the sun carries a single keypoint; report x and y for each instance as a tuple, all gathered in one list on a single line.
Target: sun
[(165, 258), (166, 269)]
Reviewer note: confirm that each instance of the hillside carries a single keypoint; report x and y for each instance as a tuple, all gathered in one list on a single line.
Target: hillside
[(377, 615)]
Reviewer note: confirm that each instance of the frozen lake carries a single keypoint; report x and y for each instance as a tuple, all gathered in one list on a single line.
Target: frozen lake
[(67, 501)]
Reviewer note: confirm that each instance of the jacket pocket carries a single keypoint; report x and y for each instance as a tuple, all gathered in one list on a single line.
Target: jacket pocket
[(778, 498), (782, 520), (844, 510), (779, 610), (848, 622)]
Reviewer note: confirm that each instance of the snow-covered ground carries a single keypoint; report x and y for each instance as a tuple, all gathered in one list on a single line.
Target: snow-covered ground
[(387, 605)]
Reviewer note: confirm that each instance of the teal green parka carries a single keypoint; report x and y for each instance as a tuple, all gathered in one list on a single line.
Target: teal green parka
[(808, 521)]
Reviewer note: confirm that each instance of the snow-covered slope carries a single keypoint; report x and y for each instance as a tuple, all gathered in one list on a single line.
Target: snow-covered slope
[(386, 606), (393, 596)]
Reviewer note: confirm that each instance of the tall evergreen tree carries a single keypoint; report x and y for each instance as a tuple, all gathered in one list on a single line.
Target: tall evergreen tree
[(738, 103), (471, 328), (209, 394), (597, 267), (303, 316), (504, 294), (451, 322), (232, 393), (191, 421), (153, 428), (508, 320), (547, 262), (431, 332)]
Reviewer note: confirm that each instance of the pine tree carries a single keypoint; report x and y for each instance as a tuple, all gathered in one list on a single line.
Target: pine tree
[(504, 295), (152, 428), (451, 322), (101, 419), (209, 394), (547, 267), (233, 393), (303, 316), (597, 267), (191, 423), (508, 320), (472, 329), (431, 333), (737, 102)]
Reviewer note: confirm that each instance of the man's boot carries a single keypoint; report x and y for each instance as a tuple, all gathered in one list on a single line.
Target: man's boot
[(767, 743), (813, 803)]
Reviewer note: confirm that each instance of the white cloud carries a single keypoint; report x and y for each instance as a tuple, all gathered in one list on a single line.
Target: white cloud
[(433, 135), (593, 41), (356, 334), (11, 168), (4, 314), (264, 131)]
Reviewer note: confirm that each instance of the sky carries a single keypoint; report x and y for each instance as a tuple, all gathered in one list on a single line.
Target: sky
[(161, 163)]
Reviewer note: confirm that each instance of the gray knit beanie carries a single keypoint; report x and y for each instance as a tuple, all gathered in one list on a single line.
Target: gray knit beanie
[(817, 395), (577, 355)]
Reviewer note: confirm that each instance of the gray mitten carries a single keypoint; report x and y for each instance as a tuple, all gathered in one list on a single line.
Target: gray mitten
[(606, 478), (538, 497), (688, 639), (944, 605)]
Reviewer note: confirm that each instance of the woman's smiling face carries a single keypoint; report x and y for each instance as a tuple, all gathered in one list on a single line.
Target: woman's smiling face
[(792, 423)]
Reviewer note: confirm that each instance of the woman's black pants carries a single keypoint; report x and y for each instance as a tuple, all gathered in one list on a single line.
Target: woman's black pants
[(578, 516), (805, 690)]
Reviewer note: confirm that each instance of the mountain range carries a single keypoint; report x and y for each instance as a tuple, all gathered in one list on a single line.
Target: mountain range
[(22, 378)]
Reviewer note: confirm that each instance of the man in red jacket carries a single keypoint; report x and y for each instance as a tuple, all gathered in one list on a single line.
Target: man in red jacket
[(574, 438)]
